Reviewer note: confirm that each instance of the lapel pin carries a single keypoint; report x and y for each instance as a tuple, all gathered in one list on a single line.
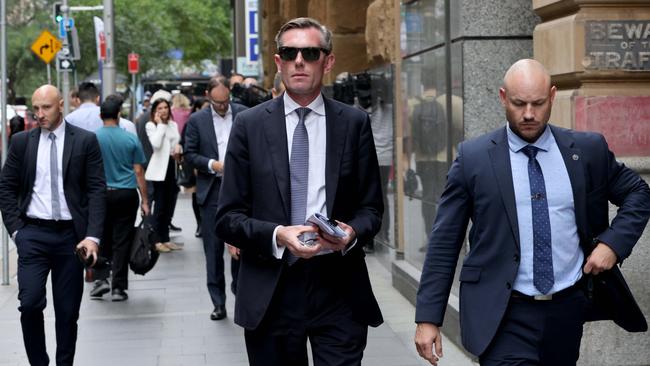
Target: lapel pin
[(575, 157)]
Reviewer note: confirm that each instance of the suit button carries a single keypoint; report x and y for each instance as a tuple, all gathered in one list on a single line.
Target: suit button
[(516, 257), (508, 285)]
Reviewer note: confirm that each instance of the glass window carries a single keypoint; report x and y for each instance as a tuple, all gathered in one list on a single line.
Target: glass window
[(425, 141), (381, 118), (422, 25)]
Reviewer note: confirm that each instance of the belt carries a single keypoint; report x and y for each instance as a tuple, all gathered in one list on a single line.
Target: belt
[(52, 224), (558, 295)]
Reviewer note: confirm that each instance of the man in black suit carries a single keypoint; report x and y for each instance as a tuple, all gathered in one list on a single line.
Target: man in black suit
[(288, 158), (52, 198), (542, 248), (206, 139)]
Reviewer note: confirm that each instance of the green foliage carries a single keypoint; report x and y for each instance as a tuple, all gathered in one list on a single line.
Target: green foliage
[(151, 28)]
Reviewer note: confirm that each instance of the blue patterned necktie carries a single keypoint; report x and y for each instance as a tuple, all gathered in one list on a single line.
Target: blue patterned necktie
[(54, 178), (299, 170), (542, 255)]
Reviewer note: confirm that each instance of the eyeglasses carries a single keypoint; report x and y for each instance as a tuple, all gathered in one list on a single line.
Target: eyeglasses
[(309, 54)]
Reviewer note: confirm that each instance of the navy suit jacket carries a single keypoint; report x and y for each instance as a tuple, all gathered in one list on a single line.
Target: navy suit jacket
[(255, 198), (200, 146), (84, 184), (480, 188)]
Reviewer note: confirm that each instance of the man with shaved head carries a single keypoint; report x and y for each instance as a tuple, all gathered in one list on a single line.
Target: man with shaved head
[(52, 198), (541, 247)]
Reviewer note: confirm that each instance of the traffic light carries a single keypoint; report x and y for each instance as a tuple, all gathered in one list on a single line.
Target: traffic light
[(57, 13)]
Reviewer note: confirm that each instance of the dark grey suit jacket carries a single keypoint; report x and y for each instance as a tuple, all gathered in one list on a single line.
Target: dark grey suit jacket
[(200, 146), (84, 184)]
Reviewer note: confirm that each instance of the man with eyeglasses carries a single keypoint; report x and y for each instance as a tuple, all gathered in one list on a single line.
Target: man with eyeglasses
[(206, 138), (288, 158)]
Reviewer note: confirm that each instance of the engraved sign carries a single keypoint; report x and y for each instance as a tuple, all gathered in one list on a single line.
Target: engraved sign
[(617, 45)]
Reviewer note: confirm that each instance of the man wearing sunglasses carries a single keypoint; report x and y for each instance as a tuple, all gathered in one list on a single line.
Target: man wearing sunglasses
[(205, 139), (288, 158)]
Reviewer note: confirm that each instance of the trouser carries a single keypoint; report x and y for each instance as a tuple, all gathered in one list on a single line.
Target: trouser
[(121, 212), (213, 248), (308, 305), (41, 250), (539, 333), (164, 194)]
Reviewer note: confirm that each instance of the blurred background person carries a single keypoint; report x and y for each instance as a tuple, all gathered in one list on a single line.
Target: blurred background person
[(123, 158), (278, 85), (74, 99), (198, 104), (206, 140), (163, 135), (16, 124), (181, 110), (86, 115), (235, 78)]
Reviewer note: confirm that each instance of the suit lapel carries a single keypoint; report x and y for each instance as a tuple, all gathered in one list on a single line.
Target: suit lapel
[(275, 132), (208, 128), (67, 149), (572, 157), (32, 155), (336, 133), (500, 158)]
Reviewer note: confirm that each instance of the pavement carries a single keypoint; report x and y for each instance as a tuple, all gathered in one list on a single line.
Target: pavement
[(166, 320)]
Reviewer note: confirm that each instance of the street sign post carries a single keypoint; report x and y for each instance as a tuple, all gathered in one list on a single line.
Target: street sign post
[(46, 46), (134, 68)]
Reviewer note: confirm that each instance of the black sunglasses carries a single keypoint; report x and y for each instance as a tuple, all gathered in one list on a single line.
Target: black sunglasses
[(309, 54)]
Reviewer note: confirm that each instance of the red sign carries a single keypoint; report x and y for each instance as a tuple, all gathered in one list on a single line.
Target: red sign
[(102, 46), (625, 122), (134, 63)]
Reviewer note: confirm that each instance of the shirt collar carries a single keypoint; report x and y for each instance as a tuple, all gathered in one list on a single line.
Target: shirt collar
[(59, 132), (215, 114), (87, 105), (317, 105), (516, 143)]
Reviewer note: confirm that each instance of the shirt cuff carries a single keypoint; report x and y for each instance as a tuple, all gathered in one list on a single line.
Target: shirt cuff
[(92, 238), (277, 251), (349, 247), (211, 170)]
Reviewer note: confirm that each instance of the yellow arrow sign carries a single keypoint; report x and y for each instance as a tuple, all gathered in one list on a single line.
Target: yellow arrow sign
[(46, 46)]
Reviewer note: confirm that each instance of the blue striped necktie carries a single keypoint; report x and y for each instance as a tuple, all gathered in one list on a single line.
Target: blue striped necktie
[(299, 170), (543, 277)]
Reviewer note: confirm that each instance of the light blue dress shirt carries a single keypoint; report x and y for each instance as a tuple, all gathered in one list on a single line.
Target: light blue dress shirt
[(565, 243)]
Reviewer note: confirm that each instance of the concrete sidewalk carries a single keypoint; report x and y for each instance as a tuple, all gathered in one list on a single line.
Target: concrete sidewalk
[(166, 319)]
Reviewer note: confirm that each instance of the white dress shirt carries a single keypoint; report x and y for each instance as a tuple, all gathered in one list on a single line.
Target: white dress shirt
[(86, 117), (40, 206), (316, 125), (222, 127)]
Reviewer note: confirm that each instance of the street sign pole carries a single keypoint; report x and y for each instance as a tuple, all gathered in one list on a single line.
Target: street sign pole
[(3, 110), (133, 62), (49, 74), (108, 72), (65, 51)]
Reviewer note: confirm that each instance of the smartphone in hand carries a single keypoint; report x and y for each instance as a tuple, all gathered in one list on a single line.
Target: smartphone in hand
[(327, 225), (87, 261)]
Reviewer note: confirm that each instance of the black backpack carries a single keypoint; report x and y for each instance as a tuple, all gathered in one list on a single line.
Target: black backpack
[(143, 256)]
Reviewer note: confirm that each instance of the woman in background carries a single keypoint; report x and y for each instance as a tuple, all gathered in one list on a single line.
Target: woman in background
[(163, 134)]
